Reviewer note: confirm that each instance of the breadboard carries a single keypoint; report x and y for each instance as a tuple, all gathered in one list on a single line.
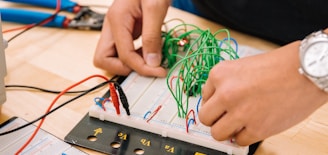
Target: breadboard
[(153, 112), (153, 109), (145, 95)]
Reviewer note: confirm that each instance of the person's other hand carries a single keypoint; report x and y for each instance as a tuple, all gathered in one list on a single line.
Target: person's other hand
[(125, 21), (256, 97)]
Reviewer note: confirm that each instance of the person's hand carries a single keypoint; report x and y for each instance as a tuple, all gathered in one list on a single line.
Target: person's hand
[(125, 21), (256, 97)]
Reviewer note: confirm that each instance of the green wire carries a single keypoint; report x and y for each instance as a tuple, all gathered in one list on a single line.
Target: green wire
[(191, 62)]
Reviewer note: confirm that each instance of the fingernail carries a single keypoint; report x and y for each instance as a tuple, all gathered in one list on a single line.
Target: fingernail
[(153, 59)]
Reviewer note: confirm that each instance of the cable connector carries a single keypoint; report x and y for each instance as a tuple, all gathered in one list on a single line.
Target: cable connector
[(114, 97), (123, 98)]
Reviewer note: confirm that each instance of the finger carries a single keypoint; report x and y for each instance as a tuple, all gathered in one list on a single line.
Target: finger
[(122, 32), (208, 90), (211, 111), (154, 12), (105, 56), (226, 127), (210, 85), (244, 137)]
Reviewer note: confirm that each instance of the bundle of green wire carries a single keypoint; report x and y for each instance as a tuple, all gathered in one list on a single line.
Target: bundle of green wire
[(190, 55)]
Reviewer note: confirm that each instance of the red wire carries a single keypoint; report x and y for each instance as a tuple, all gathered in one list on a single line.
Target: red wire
[(114, 97), (50, 107), (58, 5), (18, 28), (155, 112), (31, 25), (171, 80), (103, 103), (187, 119)]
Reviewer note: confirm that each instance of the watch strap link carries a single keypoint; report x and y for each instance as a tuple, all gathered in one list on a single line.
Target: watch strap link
[(323, 84), (320, 82)]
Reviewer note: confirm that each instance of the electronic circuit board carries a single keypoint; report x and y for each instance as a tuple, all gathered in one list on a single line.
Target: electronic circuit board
[(152, 126)]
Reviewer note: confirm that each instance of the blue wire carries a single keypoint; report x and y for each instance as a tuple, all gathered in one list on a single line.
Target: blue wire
[(191, 119), (198, 103), (233, 40), (146, 114), (98, 101)]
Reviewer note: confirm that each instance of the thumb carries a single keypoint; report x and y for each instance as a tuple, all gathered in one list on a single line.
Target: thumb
[(154, 12)]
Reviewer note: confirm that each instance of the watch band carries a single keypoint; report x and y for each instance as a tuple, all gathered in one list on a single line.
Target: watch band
[(321, 82)]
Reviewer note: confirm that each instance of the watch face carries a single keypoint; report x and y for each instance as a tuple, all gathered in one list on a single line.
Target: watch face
[(315, 61)]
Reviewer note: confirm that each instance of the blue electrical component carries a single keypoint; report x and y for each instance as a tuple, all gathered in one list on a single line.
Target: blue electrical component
[(85, 18)]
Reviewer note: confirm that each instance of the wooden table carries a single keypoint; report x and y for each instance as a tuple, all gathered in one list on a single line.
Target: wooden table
[(57, 58)]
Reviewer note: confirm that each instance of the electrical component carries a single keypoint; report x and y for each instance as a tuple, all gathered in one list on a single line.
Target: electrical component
[(190, 55), (148, 94), (114, 97), (145, 96), (85, 18), (123, 98), (3, 45)]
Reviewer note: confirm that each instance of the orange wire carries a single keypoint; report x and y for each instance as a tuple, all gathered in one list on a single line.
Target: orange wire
[(171, 80), (50, 107), (31, 25), (103, 103), (18, 28), (155, 112), (187, 119)]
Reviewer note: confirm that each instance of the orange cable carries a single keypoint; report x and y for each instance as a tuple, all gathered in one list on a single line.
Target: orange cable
[(50, 107), (18, 28), (31, 25)]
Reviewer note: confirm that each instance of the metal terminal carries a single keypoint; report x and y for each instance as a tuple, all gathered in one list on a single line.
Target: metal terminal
[(86, 19)]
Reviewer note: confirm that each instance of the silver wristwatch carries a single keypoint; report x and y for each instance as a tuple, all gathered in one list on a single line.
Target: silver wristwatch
[(314, 59)]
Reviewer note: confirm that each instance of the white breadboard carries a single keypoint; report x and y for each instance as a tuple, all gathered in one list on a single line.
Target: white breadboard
[(145, 95)]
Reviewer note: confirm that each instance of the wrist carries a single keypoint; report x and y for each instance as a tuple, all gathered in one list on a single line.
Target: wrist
[(313, 62), (313, 56), (287, 66)]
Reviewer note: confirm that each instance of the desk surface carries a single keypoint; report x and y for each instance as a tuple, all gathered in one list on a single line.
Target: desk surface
[(57, 58)]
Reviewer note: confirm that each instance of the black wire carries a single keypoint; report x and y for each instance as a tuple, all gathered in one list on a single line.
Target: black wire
[(44, 90), (51, 111), (51, 91), (56, 108)]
